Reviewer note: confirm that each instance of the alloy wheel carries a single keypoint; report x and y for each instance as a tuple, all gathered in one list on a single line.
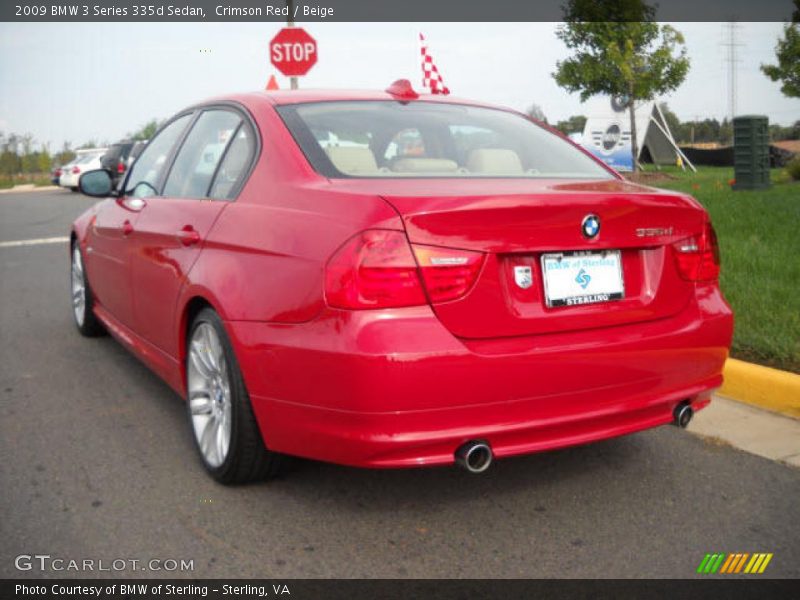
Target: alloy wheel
[(210, 403), (78, 287)]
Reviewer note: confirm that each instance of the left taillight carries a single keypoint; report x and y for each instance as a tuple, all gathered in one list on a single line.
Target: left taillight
[(378, 268), (374, 269), (120, 167), (697, 257)]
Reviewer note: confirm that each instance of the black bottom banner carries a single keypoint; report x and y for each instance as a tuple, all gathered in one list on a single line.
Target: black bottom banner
[(378, 589)]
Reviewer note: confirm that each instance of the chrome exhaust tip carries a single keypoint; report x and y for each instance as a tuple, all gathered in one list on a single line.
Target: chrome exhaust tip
[(682, 415), (474, 456)]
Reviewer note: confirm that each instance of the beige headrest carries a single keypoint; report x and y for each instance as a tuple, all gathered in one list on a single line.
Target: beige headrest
[(424, 165), (352, 160), (495, 161)]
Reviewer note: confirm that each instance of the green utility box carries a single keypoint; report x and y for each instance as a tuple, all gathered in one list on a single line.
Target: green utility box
[(751, 152)]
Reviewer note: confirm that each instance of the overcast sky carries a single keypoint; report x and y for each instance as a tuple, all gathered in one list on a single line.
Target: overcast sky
[(89, 81)]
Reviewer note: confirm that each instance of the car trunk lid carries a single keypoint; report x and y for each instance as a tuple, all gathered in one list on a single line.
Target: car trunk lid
[(525, 227)]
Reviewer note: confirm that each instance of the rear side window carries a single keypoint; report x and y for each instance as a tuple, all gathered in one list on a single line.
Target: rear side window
[(144, 176), (197, 160), (214, 157), (235, 164)]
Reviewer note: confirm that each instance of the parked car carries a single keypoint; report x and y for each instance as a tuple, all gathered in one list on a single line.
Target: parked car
[(115, 160), (497, 292), (136, 151), (88, 161)]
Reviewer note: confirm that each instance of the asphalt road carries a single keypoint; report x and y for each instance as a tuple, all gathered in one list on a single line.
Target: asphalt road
[(96, 462)]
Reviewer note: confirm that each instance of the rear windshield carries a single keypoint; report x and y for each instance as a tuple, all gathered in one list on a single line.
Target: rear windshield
[(87, 158), (430, 139)]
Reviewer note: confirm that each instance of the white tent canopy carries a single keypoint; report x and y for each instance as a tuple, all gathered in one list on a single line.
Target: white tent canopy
[(607, 134)]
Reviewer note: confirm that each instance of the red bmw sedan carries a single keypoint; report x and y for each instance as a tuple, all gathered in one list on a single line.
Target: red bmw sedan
[(392, 280)]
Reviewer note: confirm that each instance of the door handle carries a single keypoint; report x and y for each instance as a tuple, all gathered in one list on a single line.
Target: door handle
[(188, 236), (127, 228)]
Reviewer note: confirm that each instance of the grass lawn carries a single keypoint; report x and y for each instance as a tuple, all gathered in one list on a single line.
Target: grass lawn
[(759, 236)]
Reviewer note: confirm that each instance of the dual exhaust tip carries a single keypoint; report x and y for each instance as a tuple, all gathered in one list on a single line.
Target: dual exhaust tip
[(476, 456)]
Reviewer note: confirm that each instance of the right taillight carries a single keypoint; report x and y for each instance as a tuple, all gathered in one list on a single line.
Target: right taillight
[(697, 257)]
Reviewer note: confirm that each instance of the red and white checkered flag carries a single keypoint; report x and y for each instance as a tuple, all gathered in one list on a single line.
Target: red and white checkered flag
[(431, 78)]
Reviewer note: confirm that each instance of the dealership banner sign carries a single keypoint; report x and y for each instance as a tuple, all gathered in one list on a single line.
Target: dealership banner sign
[(607, 133)]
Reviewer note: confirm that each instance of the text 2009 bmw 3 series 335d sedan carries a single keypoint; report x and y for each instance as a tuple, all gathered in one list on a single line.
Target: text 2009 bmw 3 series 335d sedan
[(392, 280)]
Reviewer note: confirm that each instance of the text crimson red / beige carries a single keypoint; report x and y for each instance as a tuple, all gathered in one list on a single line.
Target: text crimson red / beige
[(273, 11)]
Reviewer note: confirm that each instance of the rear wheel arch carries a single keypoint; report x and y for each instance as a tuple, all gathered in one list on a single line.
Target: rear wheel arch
[(191, 308)]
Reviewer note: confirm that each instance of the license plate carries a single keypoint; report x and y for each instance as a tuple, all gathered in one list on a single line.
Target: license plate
[(573, 278)]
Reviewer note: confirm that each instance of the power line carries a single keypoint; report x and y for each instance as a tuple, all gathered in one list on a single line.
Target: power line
[(731, 44)]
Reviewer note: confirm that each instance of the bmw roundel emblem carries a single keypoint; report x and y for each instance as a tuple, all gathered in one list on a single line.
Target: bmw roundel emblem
[(590, 226)]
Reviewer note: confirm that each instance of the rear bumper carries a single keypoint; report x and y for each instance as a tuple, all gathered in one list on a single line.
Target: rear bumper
[(396, 389)]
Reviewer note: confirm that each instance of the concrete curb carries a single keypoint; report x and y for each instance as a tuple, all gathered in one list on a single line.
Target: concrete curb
[(772, 389), (29, 187)]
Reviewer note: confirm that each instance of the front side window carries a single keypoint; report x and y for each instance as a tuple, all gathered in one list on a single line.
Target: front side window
[(377, 138), (144, 177), (201, 152)]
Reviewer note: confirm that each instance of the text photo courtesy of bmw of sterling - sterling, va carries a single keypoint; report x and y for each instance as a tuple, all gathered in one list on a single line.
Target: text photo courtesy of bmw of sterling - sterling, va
[(399, 299)]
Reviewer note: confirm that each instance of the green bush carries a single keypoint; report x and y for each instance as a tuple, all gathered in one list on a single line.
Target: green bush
[(793, 168)]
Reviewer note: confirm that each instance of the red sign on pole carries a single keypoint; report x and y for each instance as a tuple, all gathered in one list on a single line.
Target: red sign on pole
[(293, 51)]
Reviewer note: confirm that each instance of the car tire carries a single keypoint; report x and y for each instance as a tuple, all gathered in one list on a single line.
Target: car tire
[(82, 298), (73, 189), (218, 406)]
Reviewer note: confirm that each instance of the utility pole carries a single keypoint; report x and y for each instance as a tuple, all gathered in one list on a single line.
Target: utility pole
[(290, 23), (731, 44)]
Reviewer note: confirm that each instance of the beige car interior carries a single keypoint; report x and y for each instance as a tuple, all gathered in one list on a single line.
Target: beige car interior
[(359, 160), (497, 161)]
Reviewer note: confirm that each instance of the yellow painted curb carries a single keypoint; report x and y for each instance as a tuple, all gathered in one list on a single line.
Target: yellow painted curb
[(764, 387)]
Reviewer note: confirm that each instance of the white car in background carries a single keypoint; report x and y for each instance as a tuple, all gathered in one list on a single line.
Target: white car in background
[(85, 161)]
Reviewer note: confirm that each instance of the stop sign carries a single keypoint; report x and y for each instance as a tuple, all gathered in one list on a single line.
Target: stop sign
[(293, 51)]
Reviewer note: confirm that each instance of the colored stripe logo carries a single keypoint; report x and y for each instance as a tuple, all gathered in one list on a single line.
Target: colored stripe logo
[(737, 562)]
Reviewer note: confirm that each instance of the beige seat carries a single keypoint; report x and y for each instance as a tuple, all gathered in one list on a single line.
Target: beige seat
[(353, 160), (494, 161), (424, 165)]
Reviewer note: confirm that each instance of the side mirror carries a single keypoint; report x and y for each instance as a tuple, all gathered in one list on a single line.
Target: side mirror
[(96, 183)]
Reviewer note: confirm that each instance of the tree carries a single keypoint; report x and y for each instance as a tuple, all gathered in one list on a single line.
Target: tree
[(620, 51), (535, 112), (787, 71), (145, 132), (725, 136), (66, 155), (45, 162), (777, 133), (575, 124)]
